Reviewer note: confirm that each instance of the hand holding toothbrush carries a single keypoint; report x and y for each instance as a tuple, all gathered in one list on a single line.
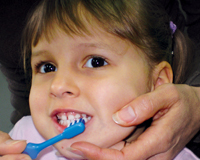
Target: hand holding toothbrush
[(11, 149), (33, 149)]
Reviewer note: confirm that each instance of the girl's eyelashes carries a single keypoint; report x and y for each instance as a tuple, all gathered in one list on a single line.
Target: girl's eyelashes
[(45, 67), (92, 62), (95, 62)]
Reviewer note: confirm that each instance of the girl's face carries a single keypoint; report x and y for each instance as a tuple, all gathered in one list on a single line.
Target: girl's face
[(85, 76)]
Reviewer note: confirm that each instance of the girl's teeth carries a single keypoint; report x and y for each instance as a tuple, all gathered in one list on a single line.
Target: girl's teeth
[(62, 122), (71, 117), (59, 117), (84, 115), (89, 118), (65, 119), (68, 121), (77, 116)]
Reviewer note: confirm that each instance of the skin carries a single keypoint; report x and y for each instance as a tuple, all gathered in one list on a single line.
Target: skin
[(181, 104), (184, 105), (185, 97), (94, 91), (148, 140), (11, 149)]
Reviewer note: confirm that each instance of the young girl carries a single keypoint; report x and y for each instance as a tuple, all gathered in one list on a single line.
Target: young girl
[(86, 59)]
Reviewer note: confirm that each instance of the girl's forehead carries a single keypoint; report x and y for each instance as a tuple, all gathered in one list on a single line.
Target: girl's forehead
[(97, 38)]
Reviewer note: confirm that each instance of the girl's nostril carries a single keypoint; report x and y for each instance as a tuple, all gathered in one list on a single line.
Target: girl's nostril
[(70, 93)]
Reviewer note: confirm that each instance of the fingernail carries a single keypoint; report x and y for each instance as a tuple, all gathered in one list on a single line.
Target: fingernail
[(11, 142), (26, 158), (75, 151), (124, 116)]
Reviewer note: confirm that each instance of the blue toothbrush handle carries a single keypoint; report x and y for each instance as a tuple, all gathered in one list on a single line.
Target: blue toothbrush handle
[(33, 149)]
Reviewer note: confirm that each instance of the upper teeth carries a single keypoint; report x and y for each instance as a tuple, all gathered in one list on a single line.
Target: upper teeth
[(66, 120)]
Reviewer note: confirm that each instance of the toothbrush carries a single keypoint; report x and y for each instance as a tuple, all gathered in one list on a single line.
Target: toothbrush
[(33, 149)]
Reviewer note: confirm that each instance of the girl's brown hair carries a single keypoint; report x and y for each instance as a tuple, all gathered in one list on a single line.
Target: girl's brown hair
[(143, 22)]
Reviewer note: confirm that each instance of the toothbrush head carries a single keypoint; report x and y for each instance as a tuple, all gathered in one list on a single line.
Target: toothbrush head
[(81, 120), (74, 129)]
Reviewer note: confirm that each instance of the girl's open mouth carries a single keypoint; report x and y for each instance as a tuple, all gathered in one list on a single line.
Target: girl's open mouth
[(64, 119)]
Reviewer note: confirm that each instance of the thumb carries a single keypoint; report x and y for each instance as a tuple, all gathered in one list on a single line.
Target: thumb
[(9, 146), (147, 106), (92, 152)]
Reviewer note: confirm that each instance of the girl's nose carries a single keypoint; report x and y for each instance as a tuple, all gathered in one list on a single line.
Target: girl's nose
[(64, 86)]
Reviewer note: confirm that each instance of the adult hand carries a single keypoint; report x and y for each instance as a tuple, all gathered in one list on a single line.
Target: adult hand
[(10, 149), (175, 110)]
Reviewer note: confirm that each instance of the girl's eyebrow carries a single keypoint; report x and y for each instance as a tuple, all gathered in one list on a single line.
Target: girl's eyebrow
[(99, 46), (38, 53), (95, 45), (82, 45)]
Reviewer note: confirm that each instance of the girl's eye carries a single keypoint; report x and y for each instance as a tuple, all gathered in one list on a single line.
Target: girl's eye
[(95, 62), (47, 67)]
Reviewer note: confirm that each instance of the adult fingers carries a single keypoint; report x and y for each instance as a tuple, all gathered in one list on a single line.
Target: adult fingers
[(147, 146), (148, 105), (92, 152), (171, 131), (15, 157), (9, 146), (166, 136), (140, 149), (157, 142)]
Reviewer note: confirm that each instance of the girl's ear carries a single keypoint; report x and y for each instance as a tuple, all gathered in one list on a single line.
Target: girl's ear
[(162, 73)]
